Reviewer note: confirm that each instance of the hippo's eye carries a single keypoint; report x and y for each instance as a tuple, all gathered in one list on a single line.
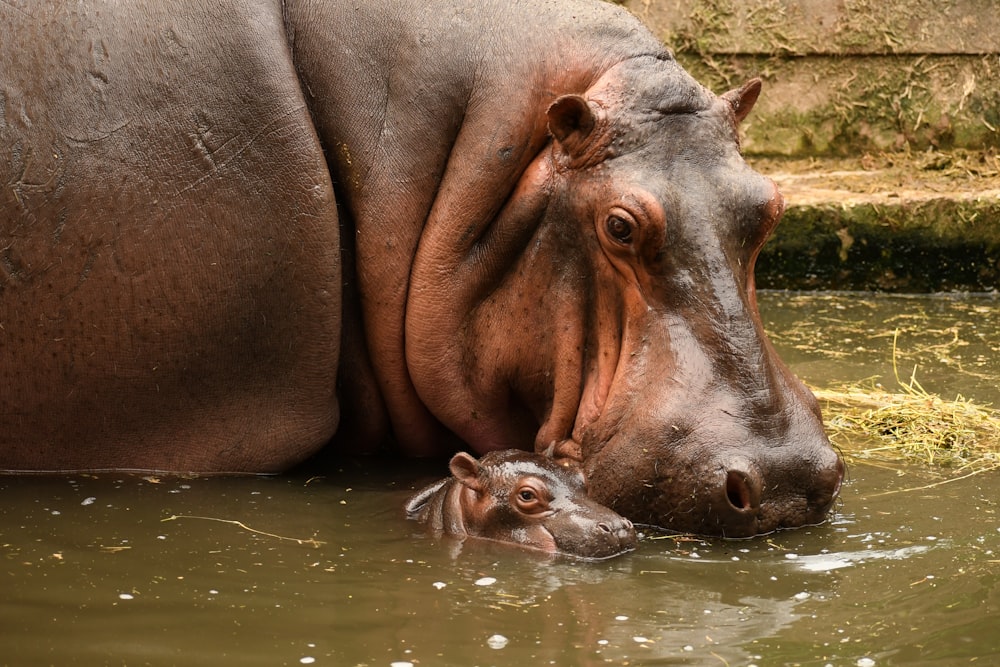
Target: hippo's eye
[(527, 495), (619, 229)]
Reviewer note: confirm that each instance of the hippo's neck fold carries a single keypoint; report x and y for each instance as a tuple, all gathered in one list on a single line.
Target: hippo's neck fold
[(429, 120)]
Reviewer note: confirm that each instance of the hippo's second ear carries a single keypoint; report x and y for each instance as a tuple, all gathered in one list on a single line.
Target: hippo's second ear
[(571, 120), (465, 469), (743, 98)]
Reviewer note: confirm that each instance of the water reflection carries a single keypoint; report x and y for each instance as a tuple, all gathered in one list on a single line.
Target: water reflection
[(836, 561), (953, 342)]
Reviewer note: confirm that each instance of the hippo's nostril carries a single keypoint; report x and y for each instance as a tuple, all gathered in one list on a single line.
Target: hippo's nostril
[(839, 471), (829, 481), (738, 491)]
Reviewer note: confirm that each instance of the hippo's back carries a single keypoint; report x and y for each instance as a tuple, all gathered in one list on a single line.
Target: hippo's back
[(169, 261)]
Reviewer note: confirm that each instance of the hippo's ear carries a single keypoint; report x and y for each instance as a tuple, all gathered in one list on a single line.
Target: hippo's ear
[(465, 469), (571, 120), (564, 452), (743, 98)]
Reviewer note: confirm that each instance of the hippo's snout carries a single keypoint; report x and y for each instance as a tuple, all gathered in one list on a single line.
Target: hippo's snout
[(732, 494), (745, 503), (581, 533), (622, 532), (620, 529)]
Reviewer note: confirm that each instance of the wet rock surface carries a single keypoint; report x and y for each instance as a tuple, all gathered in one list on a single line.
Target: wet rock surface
[(906, 222)]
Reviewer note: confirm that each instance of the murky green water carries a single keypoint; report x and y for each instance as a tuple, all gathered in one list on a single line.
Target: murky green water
[(96, 571)]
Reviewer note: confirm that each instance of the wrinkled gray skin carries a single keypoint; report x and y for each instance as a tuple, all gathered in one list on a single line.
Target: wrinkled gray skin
[(235, 234), (525, 499)]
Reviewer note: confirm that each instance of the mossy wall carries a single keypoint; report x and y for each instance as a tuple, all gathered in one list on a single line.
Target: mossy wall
[(935, 246), (845, 77)]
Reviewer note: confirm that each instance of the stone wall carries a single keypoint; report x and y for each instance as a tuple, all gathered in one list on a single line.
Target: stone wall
[(846, 77)]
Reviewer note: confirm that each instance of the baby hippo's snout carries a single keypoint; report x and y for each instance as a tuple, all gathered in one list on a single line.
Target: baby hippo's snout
[(620, 529), (593, 531), (525, 499)]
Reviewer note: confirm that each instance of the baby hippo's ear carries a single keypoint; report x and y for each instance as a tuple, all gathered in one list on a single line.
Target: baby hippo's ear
[(466, 469)]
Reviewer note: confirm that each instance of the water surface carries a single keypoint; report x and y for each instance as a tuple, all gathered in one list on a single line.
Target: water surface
[(136, 570)]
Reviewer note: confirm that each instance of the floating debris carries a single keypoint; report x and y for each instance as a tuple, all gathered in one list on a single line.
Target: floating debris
[(912, 424), (239, 524)]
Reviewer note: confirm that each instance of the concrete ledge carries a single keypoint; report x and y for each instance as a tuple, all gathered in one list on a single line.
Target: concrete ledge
[(899, 222)]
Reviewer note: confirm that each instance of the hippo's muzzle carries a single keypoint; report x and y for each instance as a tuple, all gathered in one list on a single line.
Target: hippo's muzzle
[(731, 496)]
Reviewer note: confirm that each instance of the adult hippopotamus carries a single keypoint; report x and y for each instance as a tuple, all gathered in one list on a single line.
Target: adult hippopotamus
[(234, 233), (523, 498)]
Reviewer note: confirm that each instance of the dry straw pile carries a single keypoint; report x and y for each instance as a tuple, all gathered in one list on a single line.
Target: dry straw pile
[(913, 424)]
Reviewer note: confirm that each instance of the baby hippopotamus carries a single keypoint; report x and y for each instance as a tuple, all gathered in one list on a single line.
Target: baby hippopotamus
[(524, 498)]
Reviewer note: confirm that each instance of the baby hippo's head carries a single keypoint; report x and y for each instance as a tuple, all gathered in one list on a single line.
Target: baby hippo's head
[(526, 499)]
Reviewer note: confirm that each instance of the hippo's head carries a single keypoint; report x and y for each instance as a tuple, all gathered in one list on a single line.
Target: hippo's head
[(612, 313), (526, 499), (688, 419)]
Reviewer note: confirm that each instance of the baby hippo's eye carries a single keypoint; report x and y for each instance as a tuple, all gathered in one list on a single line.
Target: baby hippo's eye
[(531, 497)]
